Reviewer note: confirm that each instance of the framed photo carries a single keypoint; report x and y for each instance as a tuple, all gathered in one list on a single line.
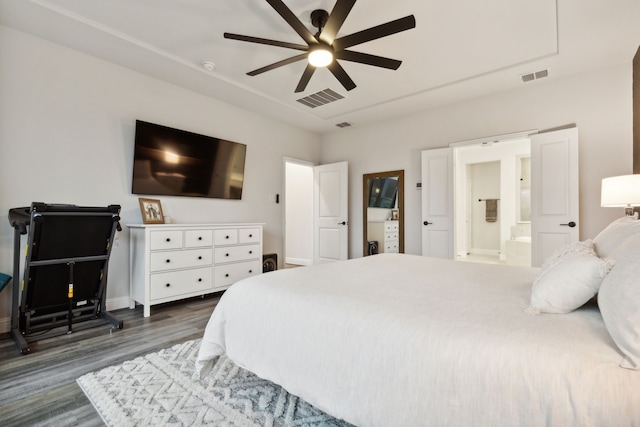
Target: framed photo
[(394, 214), (151, 211)]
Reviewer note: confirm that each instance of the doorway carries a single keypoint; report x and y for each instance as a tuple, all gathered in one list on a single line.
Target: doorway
[(298, 212), (488, 196), (316, 225), (551, 195)]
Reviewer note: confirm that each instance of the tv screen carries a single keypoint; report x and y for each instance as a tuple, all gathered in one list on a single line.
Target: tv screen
[(383, 193), (173, 162)]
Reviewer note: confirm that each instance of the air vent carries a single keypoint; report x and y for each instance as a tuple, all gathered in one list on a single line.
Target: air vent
[(320, 98), (343, 125), (534, 76)]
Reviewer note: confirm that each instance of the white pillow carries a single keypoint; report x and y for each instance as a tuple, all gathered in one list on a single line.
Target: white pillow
[(568, 279), (615, 234), (619, 302), (585, 247)]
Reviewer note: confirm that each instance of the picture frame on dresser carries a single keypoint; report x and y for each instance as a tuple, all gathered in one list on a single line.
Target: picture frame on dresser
[(151, 210)]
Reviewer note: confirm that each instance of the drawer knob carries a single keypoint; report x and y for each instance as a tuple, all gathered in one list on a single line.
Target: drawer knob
[(200, 257), (168, 239), (250, 235), (226, 254), (250, 271), (250, 252), (226, 275), (200, 238), (168, 285), (226, 237), (168, 261), (200, 279)]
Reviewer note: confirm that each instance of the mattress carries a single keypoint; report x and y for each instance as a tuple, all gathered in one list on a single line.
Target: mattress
[(404, 340)]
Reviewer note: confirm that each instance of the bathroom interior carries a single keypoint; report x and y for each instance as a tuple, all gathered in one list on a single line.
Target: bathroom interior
[(493, 202)]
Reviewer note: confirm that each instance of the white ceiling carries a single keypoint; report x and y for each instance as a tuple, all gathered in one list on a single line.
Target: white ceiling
[(460, 49)]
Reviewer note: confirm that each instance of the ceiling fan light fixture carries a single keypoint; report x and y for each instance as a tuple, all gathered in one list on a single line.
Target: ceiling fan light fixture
[(320, 56)]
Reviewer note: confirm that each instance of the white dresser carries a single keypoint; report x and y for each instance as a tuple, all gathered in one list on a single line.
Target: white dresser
[(391, 239), (386, 233), (169, 262)]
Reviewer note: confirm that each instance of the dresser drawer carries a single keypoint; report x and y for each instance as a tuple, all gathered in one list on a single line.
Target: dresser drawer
[(171, 260), (249, 235), (236, 253), (391, 236), (174, 283), (165, 239), (390, 226), (227, 274), (227, 236), (198, 238), (391, 247)]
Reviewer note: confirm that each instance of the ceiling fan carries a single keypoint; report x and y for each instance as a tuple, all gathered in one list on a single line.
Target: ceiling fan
[(323, 48)]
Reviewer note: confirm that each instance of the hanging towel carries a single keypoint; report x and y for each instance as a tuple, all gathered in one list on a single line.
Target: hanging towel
[(491, 210)]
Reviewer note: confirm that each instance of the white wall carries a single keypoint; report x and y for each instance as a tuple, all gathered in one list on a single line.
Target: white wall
[(485, 184), (66, 136), (599, 103)]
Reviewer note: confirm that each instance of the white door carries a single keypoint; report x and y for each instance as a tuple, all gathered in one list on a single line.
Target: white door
[(331, 209), (437, 203), (554, 192)]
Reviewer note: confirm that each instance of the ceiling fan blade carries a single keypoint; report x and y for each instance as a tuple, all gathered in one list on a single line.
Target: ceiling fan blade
[(336, 19), (265, 41), (278, 64), (293, 21), (373, 33), (306, 76), (341, 75), (365, 58)]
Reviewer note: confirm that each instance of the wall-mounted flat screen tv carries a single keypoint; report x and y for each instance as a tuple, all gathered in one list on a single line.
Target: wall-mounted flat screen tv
[(383, 193), (173, 162)]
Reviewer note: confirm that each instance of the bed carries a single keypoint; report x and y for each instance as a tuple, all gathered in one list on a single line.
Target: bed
[(404, 340)]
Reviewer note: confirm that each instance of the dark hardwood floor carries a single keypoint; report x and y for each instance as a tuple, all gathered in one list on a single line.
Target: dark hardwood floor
[(40, 389)]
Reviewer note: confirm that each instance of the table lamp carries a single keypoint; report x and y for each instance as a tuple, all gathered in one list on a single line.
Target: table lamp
[(621, 191)]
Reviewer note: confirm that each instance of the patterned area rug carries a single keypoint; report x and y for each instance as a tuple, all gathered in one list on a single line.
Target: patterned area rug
[(159, 389)]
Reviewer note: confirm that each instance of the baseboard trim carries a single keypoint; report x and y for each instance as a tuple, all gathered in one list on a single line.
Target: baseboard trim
[(487, 252), (5, 325), (298, 261), (112, 304), (117, 303)]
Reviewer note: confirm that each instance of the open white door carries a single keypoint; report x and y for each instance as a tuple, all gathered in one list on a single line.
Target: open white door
[(331, 209), (554, 192), (437, 203)]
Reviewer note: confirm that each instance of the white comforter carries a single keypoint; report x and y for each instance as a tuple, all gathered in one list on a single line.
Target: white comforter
[(402, 340)]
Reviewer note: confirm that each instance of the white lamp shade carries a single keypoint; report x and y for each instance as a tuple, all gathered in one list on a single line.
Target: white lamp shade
[(621, 191), (320, 57)]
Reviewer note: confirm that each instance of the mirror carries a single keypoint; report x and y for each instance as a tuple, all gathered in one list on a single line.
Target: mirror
[(383, 212), (524, 189)]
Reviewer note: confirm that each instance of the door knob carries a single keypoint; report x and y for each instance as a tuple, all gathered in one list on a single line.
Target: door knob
[(427, 223), (570, 224)]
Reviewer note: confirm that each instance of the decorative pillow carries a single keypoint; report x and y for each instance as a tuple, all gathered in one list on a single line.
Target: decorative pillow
[(619, 302), (615, 234), (568, 279), (569, 250)]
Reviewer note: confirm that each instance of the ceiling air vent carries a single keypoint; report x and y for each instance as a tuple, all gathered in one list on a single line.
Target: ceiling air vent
[(320, 98), (343, 125), (534, 76)]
